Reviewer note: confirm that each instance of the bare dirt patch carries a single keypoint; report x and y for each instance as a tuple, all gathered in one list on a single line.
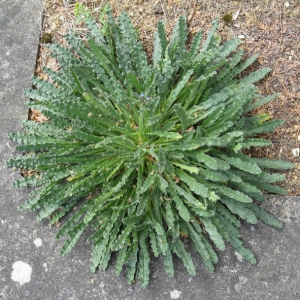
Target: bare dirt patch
[(268, 27)]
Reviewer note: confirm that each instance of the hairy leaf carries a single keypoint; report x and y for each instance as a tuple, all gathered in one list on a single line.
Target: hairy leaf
[(146, 152)]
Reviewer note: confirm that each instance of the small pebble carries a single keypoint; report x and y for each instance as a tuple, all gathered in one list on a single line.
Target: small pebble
[(237, 25), (21, 272), (241, 36), (235, 15), (175, 294), (295, 152), (38, 242), (286, 4)]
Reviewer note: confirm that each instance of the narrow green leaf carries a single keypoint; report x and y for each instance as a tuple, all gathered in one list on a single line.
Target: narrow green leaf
[(255, 142), (246, 253), (188, 168), (212, 254), (183, 212), (273, 164), (154, 245), (195, 44), (264, 127), (132, 220), (184, 256), (168, 263), (143, 201), (148, 183), (159, 44), (157, 227), (255, 76), (256, 119), (209, 36), (98, 253), (241, 161), (209, 161), (236, 195), (174, 94), (74, 235), (213, 233), (264, 216), (270, 188), (196, 238), (240, 209), (119, 243), (193, 184), (241, 67), (120, 260), (163, 184), (170, 218), (74, 219), (168, 135), (134, 81), (188, 196), (143, 264), (131, 263), (258, 103), (181, 113)]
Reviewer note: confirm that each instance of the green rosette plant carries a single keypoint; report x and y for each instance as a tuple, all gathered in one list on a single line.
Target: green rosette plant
[(146, 153)]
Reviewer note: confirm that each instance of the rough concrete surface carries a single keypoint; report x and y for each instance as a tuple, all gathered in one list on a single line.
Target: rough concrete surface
[(30, 265)]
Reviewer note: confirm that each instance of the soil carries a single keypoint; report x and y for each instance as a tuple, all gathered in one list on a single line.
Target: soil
[(270, 28)]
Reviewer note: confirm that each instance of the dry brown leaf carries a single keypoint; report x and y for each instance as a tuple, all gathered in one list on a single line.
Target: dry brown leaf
[(256, 22), (37, 116)]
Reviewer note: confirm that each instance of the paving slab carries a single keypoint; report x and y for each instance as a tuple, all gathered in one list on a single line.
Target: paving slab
[(30, 265)]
